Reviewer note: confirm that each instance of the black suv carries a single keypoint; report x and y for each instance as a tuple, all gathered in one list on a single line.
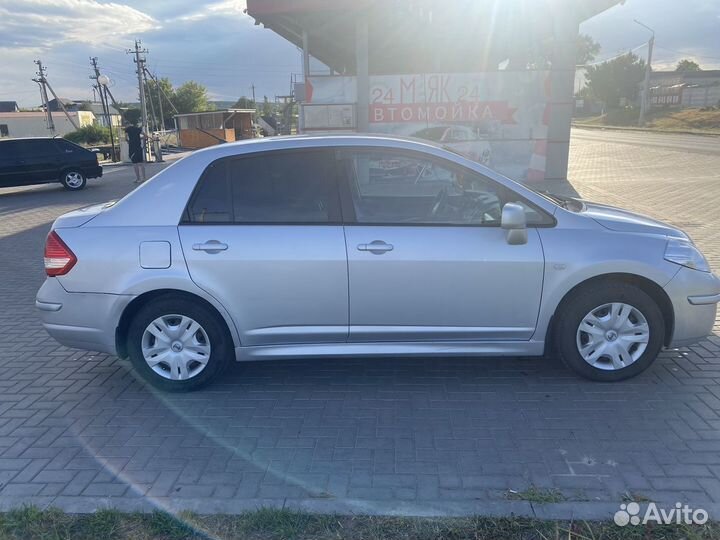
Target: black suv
[(43, 160)]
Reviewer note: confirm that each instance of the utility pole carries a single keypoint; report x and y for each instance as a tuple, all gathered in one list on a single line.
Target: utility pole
[(645, 100), (42, 81), (252, 87), (61, 105), (140, 62), (102, 90)]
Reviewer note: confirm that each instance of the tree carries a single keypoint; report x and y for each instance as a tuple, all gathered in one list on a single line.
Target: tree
[(244, 103), (587, 50), (192, 97), (616, 79), (687, 65), (85, 106)]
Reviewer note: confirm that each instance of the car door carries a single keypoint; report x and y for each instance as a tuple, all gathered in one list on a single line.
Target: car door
[(427, 258), (263, 234), (16, 166), (43, 161)]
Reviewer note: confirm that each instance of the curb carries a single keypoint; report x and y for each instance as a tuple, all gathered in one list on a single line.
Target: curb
[(645, 130)]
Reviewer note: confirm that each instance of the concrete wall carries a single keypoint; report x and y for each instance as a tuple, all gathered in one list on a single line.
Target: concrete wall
[(33, 124), (707, 96)]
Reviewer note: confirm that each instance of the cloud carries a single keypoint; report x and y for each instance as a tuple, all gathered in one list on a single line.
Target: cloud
[(687, 29), (223, 8), (49, 23)]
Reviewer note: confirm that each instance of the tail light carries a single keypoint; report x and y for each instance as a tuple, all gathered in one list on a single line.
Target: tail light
[(59, 260)]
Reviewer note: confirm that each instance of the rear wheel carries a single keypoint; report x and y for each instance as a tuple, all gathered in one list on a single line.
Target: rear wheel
[(609, 332), (73, 180), (177, 344)]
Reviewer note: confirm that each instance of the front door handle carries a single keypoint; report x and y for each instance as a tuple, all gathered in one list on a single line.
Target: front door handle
[(211, 246), (377, 247)]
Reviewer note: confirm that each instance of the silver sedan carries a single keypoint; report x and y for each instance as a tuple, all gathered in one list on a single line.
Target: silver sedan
[(361, 245)]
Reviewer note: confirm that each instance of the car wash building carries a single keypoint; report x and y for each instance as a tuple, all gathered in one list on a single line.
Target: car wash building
[(490, 79)]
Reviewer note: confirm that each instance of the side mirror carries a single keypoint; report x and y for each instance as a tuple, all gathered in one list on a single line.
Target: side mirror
[(513, 220)]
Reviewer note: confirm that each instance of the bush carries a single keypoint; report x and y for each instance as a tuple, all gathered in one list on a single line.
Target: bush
[(92, 134)]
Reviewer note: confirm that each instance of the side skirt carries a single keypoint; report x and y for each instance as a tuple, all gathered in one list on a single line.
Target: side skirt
[(401, 350)]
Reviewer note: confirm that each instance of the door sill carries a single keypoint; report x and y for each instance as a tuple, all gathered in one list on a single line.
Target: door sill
[(396, 349)]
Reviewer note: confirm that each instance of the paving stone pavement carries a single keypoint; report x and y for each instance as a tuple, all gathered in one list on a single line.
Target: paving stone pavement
[(381, 436)]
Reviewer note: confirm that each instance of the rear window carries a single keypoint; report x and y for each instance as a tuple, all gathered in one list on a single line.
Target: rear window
[(62, 144), (272, 187)]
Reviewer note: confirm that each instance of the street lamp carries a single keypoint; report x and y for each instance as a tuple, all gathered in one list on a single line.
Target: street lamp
[(646, 85), (103, 82)]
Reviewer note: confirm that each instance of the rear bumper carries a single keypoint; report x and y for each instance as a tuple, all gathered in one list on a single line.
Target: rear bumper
[(80, 320), (94, 172), (694, 296)]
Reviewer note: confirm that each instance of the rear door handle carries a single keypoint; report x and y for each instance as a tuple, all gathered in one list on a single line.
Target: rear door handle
[(377, 247), (211, 246)]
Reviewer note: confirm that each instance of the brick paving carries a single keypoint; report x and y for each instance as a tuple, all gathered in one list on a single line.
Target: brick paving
[(381, 436)]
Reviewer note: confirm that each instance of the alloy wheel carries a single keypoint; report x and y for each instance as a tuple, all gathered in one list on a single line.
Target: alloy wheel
[(613, 336), (74, 179)]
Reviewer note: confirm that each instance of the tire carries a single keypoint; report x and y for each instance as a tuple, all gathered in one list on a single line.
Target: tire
[(210, 346), (615, 350), (73, 180)]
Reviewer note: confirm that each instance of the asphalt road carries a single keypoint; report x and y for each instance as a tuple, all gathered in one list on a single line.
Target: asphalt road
[(696, 144)]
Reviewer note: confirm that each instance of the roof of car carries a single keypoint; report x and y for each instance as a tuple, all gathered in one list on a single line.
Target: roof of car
[(321, 139), (28, 138)]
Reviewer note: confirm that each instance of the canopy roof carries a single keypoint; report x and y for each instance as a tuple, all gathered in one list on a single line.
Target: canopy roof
[(422, 35)]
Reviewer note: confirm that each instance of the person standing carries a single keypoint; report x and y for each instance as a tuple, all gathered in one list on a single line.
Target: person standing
[(135, 139)]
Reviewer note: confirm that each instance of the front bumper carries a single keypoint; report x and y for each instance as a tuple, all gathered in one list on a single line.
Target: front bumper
[(80, 320), (694, 296)]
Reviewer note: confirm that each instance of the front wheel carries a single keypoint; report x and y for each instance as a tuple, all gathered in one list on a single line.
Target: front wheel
[(178, 345), (609, 332), (73, 180)]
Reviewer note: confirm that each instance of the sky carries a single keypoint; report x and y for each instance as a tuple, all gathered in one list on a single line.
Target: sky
[(215, 43)]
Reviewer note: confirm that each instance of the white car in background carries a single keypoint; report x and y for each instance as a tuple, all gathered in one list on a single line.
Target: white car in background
[(460, 139)]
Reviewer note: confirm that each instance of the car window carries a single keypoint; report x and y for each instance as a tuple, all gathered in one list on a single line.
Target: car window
[(402, 188), (285, 187), (211, 202), (43, 147), (272, 187), (65, 146), (19, 149), (6, 149)]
